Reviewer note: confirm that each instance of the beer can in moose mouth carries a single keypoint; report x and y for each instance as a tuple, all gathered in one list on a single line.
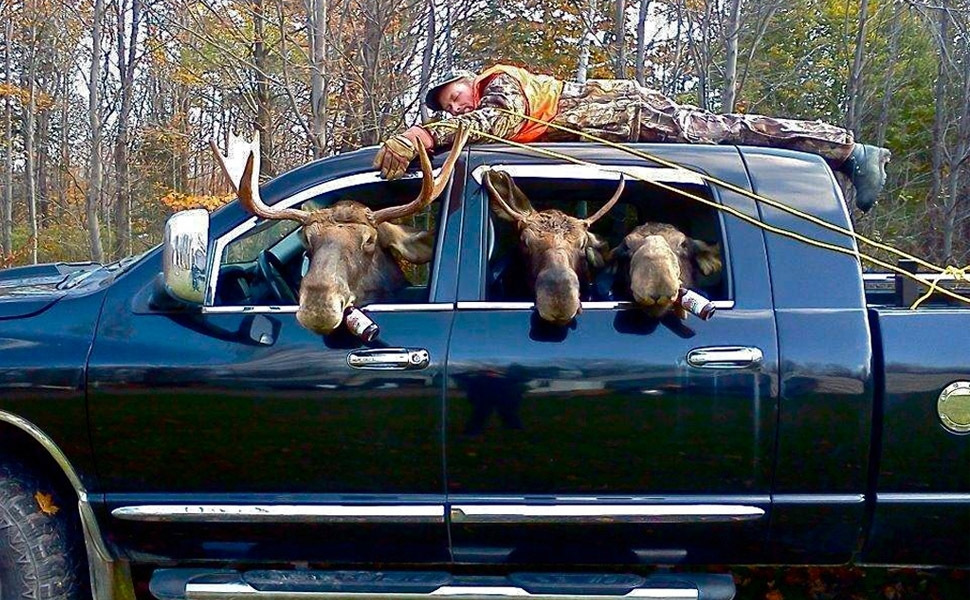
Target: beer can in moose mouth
[(696, 303), (360, 324)]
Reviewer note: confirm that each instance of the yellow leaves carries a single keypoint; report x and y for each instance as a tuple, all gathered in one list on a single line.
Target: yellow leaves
[(22, 95), (46, 504), (177, 201)]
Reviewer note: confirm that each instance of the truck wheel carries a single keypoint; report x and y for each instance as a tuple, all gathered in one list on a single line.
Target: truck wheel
[(41, 545)]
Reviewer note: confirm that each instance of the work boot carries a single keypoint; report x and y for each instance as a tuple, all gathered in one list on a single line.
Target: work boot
[(866, 167)]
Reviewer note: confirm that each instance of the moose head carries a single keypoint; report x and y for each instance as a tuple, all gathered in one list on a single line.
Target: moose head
[(558, 248), (354, 250), (661, 260)]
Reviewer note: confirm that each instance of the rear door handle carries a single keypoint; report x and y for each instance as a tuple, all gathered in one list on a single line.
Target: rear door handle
[(725, 357), (389, 359)]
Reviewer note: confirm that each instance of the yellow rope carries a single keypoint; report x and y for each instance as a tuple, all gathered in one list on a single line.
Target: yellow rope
[(742, 216), (770, 202), (958, 275)]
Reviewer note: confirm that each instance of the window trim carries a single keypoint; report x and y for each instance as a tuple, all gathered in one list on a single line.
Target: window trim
[(587, 305), (340, 183), (604, 172)]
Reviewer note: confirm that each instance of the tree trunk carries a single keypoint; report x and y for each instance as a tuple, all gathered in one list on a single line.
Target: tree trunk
[(704, 58), (958, 164), (7, 210), (318, 85), (371, 52), (264, 111), (642, 41), (93, 195), (888, 84), (42, 149), (30, 125), (582, 64), (939, 116), (854, 117), (619, 38), (731, 57), (426, 57), (127, 58)]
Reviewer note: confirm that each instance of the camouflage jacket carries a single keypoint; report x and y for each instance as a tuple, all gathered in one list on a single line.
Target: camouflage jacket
[(606, 108), (621, 110)]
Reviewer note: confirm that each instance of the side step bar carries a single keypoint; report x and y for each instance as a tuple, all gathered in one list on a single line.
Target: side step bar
[(197, 584)]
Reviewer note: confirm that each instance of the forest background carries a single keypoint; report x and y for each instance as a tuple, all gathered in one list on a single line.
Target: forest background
[(107, 104)]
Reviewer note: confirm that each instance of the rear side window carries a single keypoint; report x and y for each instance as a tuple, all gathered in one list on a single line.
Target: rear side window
[(641, 203)]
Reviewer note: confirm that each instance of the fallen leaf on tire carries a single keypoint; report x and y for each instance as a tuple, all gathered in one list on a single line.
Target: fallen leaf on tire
[(774, 595), (46, 504)]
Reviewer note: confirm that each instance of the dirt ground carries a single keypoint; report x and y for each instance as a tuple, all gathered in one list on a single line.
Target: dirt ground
[(850, 583)]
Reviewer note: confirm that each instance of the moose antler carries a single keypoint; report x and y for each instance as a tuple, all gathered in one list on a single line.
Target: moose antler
[(508, 207), (606, 207), (241, 167), (431, 188)]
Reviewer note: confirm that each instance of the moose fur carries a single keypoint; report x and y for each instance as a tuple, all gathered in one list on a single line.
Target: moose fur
[(658, 259), (558, 248)]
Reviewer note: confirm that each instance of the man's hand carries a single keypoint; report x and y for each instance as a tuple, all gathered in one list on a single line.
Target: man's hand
[(396, 153)]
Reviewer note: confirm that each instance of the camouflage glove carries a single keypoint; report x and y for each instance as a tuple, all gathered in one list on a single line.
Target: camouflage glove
[(394, 156)]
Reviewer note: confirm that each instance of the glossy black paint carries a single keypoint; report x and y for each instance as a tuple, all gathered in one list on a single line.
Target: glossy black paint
[(42, 372), (923, 478), (219, 415), (607, 411), (826, 404), (174, 406)]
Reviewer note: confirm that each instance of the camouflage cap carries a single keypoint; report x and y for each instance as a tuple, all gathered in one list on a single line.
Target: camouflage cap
[(431, 98)]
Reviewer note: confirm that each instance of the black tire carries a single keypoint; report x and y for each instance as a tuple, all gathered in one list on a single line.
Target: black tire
[(41, 550)]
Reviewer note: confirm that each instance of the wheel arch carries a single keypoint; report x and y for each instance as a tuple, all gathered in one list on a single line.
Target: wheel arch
[(110, 577)]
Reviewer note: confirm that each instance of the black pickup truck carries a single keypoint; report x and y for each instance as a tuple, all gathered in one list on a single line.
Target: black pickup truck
[(168, 429)]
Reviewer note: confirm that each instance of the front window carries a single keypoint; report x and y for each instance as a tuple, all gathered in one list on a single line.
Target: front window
[(264, 264)]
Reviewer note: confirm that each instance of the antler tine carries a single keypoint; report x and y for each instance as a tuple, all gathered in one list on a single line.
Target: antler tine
[(494, 193), (606, 207), (461, 138), (247, 187), (249, 196), (424, 198), (431, 188)]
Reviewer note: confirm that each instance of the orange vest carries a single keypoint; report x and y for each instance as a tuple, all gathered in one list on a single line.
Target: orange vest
[(541, 94)]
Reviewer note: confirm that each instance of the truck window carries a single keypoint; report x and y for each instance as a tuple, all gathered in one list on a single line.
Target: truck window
[(274, 249), (641, 203)]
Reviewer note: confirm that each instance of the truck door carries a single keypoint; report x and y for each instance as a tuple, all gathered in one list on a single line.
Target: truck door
[(619, 438), (232, 431)]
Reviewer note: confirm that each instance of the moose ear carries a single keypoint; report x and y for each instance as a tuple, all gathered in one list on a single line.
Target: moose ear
[(620, 252), (500, 184), (412, 244), (707, 256), (597, 250)]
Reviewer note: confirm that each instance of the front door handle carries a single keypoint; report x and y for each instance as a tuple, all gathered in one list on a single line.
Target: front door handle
[(725, 357), (389, 359)]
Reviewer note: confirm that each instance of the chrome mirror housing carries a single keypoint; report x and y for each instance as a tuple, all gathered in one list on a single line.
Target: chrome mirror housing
[(185, 260)]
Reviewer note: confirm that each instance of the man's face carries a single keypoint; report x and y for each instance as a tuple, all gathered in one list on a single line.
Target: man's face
[(458, 97)]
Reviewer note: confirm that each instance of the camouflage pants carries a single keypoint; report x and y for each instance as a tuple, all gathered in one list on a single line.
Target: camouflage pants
[(623, 110)]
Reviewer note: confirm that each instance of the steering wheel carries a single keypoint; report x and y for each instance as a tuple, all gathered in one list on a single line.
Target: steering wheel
[(272, 270)]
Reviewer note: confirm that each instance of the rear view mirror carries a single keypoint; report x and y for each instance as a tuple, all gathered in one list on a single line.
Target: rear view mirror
[(185, 261)]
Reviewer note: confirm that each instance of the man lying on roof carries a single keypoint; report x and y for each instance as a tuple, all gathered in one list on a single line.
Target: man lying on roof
[(617, 110)]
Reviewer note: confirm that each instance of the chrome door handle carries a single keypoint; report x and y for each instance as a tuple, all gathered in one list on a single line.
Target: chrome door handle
[(725, 357), (389, 359)]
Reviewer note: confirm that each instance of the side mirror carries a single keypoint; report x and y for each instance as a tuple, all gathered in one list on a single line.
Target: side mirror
[(185, 260)]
